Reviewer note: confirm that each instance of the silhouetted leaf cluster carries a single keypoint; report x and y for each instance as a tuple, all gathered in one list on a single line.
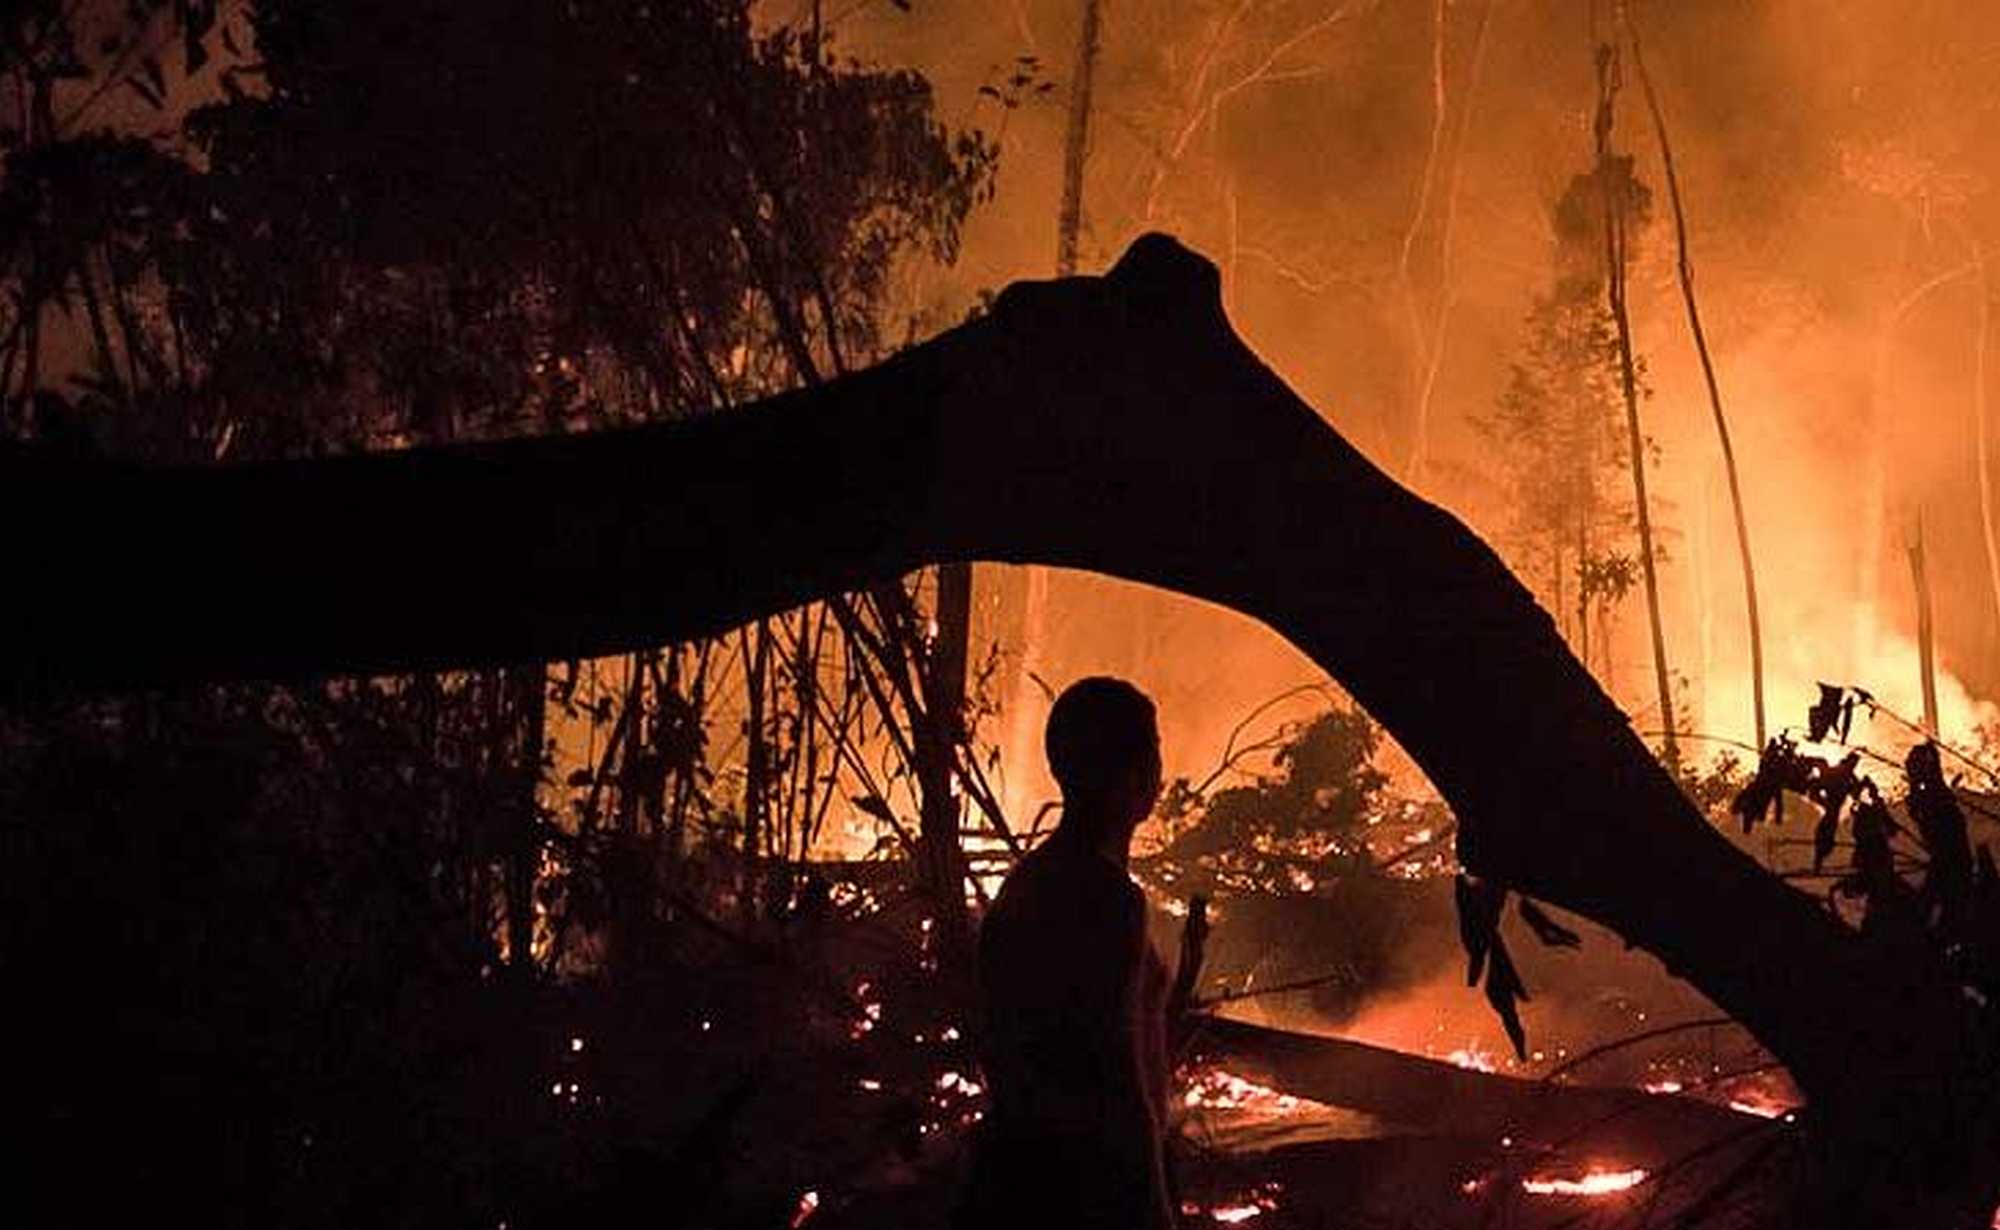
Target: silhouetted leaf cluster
[(1285, 831), (1481, 903), (1954, 908)]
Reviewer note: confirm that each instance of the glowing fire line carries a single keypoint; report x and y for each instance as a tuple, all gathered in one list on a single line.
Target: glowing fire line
[(1590, 1183)]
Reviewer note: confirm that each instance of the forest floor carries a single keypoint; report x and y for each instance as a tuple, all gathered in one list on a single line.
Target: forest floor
[(1278, 1162)]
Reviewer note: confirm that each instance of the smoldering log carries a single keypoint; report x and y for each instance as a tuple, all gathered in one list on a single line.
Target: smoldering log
[(1428, 1095)]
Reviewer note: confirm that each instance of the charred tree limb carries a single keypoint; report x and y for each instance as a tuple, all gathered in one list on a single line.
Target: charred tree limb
[(1117, 424)]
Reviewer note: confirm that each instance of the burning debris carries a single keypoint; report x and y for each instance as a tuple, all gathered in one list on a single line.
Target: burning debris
[(1239, 1207), (1598, 1181), (1215, 1089)]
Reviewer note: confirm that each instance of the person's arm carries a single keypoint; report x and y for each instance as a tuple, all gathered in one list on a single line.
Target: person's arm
[(1135, 1040)]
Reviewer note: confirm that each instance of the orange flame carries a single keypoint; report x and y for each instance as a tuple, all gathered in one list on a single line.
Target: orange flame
[(1594, 1182)]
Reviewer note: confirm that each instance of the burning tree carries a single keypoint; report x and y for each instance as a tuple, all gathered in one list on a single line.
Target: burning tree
[(1559, 426)]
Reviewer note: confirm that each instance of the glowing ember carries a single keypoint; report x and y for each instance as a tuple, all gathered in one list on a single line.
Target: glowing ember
[(1664, 1087), (1240, 1208), (1216, 1089), (808, 1205), (1473, 1059), (1589, 1183), (1762, 1107)]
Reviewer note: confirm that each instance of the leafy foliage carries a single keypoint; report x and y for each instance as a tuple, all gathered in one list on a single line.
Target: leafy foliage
[(1954, 904), (1557, 428), (1307, 820), (331, 942)]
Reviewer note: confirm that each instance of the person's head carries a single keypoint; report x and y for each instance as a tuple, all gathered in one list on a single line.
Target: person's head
[(1104, 748)]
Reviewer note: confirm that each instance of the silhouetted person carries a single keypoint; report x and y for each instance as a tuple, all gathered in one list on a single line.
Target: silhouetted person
[(1074, 1042)]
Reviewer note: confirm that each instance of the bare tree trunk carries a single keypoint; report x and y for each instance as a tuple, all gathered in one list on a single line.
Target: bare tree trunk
[(1926, 659), (1429, 346), (1980, 429), (1685, 268), (1117, 421), (1076, 140), (756, 760), (632, 726), (526, 716), (1022, 741), (1615, 210), (936, 733), (1413, 315)]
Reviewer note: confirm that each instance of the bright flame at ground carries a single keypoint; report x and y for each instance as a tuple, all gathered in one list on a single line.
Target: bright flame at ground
[(1589, 1183), (1216, 1089), (1473, 1059), (1240, 1209)]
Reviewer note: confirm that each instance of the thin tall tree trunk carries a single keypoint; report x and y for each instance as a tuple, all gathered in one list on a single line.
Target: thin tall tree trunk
[(936, 732), (1023, 743), (526, 716), (1076, 140), (1875, 482), (1616, 206), (1926, 654), (1413, 315), (756, 775), (1431, 346), (944, 712), (1684, 266), (1980, 429), (631, 755), (100, 336)]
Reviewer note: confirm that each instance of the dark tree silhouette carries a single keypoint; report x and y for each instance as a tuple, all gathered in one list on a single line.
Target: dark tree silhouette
[(1115, 421)]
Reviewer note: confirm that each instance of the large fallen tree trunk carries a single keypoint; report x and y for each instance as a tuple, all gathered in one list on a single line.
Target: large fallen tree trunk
[(1415, 1094), (1115, 424)]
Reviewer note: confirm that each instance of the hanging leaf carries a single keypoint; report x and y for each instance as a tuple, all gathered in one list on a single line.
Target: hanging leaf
[(1546, 929), (1824, 716), (1479, 905), (1831, 786), (1505, 991), (1760, 797)]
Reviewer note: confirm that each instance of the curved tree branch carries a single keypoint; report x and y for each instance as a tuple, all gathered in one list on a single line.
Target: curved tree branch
[(1117, 424)]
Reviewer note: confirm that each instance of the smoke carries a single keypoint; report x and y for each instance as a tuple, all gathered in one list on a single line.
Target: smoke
[(1836, 181)]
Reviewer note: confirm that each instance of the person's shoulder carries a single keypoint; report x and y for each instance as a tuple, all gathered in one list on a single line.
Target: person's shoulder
[(1078, 878), (1112, 888)]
